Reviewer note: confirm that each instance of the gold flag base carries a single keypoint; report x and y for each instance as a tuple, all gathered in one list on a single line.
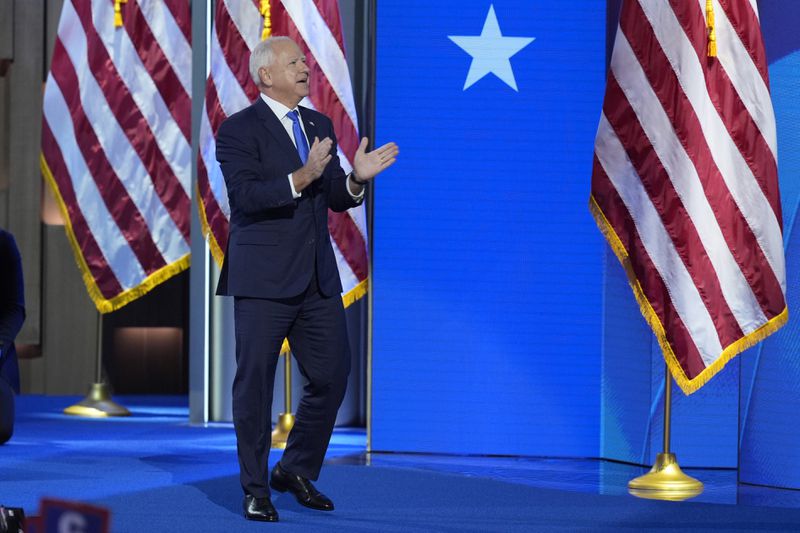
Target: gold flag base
[(665, 481), (97, 404), (281, 432)]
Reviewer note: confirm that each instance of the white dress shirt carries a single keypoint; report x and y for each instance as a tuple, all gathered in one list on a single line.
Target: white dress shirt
[(282, 112)]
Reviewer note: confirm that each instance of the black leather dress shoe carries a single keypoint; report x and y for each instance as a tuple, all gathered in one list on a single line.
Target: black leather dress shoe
[(303, 490), (260, 509)]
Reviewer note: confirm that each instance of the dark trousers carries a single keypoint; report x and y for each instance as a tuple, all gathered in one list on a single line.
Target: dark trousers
[(9, 382), (317, 333), (6, 411)]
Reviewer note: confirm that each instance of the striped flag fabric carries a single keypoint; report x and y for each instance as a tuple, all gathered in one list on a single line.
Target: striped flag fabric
[(684, 182), (116, 146), (316, 27)]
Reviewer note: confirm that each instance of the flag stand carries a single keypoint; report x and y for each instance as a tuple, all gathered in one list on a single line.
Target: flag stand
[(98, 403), (666, 480), (286, 419)]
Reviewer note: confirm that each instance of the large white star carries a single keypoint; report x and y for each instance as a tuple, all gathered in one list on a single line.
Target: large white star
[(491, 51)]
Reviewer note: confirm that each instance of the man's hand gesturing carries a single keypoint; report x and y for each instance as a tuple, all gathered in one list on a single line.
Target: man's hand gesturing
[(318, 158), (367, 165)]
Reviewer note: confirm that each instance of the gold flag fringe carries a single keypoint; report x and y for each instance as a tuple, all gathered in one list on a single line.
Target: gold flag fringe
[(686, 384), (103, 304)]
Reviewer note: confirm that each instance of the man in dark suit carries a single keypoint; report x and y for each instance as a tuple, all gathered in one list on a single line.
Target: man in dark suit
[(12, 315), (282, 175)]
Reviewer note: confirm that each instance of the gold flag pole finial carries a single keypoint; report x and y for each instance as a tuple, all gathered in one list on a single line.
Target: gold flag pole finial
[(265, 12), (118, 12), (712, 35)]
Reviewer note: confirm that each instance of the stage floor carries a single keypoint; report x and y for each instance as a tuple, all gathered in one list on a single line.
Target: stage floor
[(156, 472)]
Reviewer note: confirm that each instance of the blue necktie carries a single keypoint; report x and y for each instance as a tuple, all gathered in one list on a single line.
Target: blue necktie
[(299, 138)]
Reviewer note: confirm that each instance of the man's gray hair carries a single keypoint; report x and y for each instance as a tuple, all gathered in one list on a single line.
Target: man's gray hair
[(263, 55)]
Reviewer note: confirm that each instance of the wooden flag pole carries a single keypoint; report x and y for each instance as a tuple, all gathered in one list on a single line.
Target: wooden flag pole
[(666, 480)]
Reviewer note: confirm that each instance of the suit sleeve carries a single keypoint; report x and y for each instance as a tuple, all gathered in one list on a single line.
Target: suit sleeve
[(248, 188), (339, 197)]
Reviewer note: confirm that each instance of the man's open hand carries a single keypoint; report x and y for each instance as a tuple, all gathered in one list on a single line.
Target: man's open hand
[(367, 165)]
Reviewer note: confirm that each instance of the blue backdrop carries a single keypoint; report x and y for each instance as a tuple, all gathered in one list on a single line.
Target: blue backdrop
[(770, 394), (746, 417), (503, 325), (487, 273)]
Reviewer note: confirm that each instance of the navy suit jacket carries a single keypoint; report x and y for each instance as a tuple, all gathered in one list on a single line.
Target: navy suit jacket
[(12, 307), (275, 242)]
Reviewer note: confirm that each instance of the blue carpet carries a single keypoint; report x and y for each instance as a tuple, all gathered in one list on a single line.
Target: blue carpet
[(157, 473), (388, 499)]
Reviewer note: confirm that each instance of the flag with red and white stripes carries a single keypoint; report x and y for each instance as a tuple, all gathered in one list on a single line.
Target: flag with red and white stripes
[(116, 147), (685, 184), (316, 27)]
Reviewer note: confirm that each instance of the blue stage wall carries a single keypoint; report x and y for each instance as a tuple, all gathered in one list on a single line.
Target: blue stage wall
[(770, 395), (503, 325), (487, 278), (747, 416)]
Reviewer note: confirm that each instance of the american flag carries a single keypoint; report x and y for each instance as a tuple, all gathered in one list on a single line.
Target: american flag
[(316, 27), (116, 144), (685, 184)]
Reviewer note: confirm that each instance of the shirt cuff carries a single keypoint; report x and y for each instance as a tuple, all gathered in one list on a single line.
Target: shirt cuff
[(356, 197), (295, 194)]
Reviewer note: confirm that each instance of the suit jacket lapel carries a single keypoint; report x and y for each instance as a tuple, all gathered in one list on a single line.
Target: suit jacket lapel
[(276, 129)]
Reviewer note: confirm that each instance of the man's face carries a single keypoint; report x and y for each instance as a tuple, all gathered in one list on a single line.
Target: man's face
[(286, 79)]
